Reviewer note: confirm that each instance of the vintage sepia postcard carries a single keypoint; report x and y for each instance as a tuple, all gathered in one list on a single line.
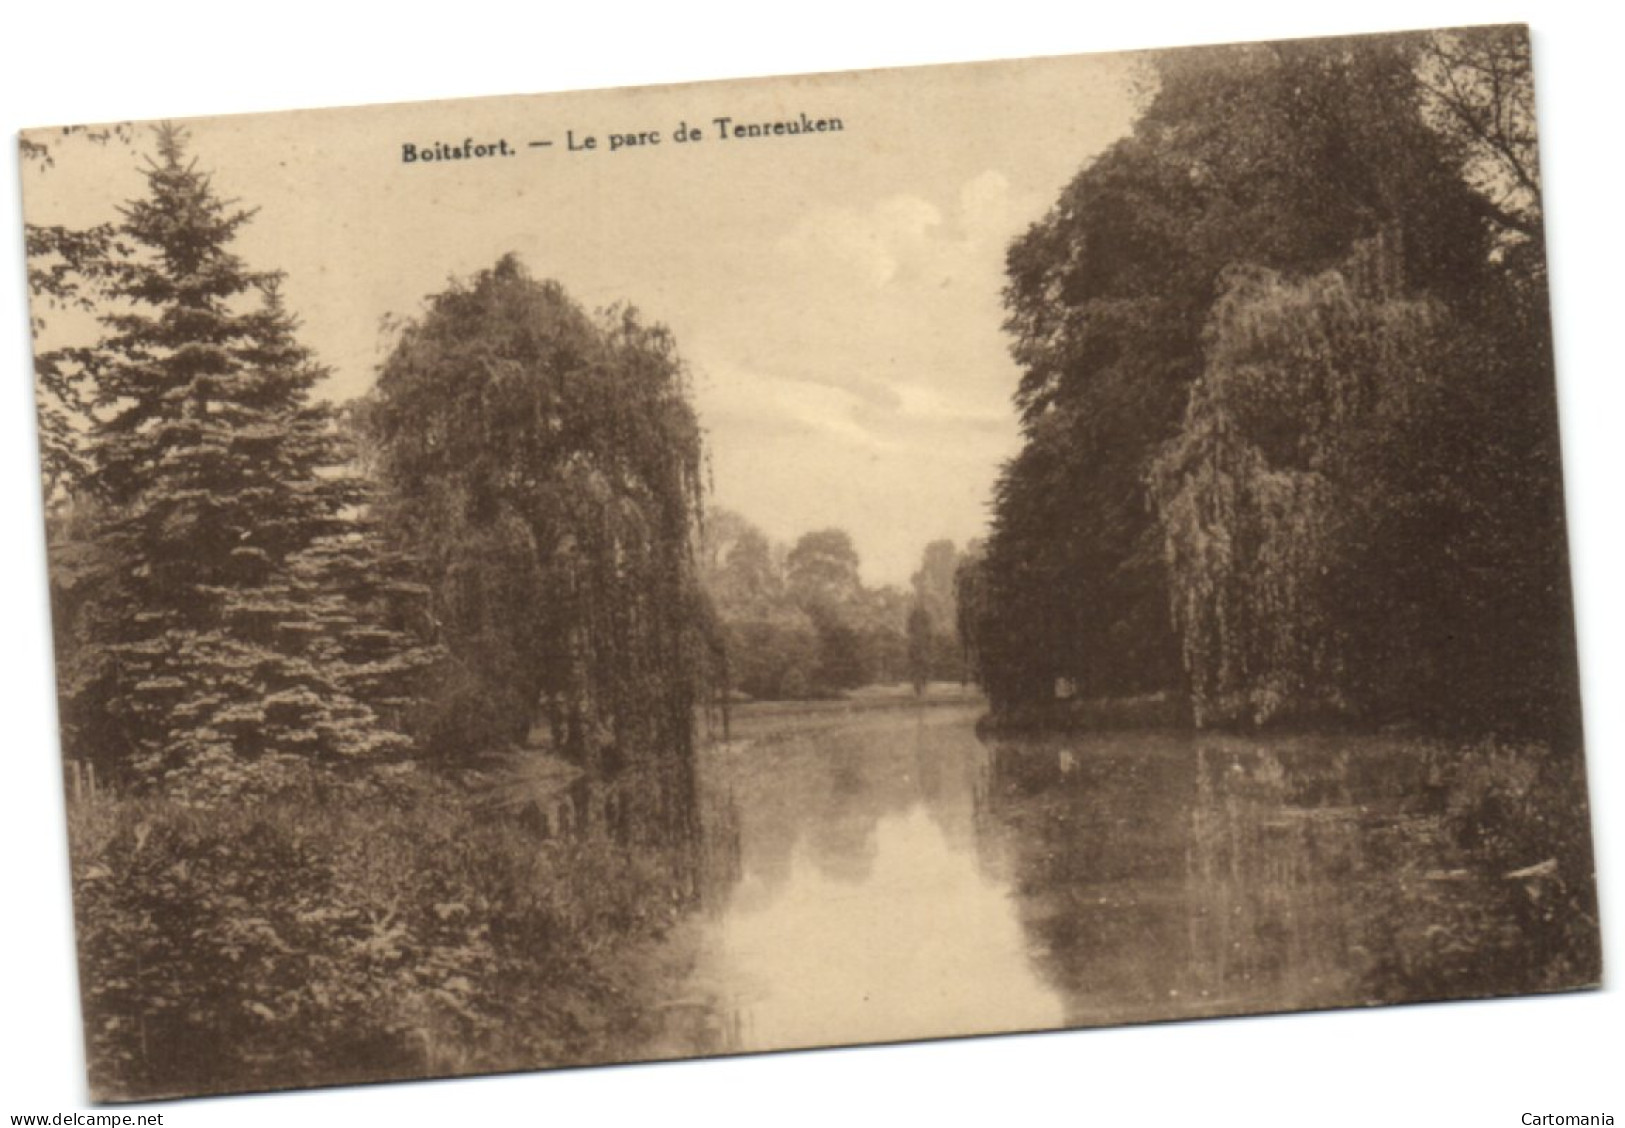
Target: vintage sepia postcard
[(695, 570)]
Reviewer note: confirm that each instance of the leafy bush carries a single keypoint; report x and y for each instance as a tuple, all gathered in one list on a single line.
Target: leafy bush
[(346, 936), (1493, 891), (1520, 811)]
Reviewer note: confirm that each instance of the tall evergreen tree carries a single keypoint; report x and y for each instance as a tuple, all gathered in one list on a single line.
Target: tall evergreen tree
[(218, 650)]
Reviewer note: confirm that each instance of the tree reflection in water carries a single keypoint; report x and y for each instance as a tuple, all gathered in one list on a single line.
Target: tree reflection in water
[(1169, 875), (889, 874), (860, 909)]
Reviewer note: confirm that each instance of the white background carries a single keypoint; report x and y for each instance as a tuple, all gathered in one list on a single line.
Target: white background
[(1458, 1064)]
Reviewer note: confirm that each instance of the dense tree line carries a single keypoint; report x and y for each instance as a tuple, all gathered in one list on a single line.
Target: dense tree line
[(798, 621), (1290, 444)]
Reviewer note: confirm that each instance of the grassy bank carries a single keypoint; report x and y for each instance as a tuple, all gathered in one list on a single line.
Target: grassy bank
[(350, 934), (760, 714), (1076, 714)]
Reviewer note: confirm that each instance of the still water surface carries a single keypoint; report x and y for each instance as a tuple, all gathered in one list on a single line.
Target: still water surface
[(888, 874)]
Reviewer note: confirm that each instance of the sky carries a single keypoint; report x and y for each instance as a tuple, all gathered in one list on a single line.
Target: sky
[(836, 294), (1487, 1063)]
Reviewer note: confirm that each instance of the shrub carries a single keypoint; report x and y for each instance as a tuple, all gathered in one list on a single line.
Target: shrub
[(351, 935)]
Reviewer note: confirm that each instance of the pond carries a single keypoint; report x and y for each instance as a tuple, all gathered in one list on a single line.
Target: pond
[(884, 874)]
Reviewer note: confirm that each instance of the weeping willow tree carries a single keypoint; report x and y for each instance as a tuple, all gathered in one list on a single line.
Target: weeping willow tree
[(1263, 497), (546, 465)]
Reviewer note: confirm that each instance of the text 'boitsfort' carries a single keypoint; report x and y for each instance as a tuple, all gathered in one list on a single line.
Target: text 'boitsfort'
[(443, 151)]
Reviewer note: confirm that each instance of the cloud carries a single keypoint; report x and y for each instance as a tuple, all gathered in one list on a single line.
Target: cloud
[(873, 246), (906, 242), (906, 290)]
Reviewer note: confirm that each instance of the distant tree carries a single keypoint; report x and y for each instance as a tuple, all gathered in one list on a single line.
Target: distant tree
[(933, 584), (971, 616), (921, 634), (934, 590), (774, 657), (822, 569), (771, 644), (738, 566), (860, 630), (843, 661), (809, 627)]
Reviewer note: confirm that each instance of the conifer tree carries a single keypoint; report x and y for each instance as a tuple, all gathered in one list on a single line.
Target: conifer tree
[(228, 651)]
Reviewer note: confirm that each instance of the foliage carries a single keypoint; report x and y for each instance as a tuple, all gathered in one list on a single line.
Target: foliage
[(213, 654), (65, 268), (740, 568), (346, 934), (1286, 395), (1258, 496), (240, 620), (68, 269), (546, 465), (843, 661), (822, 570), (1477, 88), (934, 592), (821, 579), (1523, 917), (799, 622), (773, 657), (921, 631)]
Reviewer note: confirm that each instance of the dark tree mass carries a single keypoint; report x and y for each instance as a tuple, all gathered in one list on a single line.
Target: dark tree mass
[(1290, 448)]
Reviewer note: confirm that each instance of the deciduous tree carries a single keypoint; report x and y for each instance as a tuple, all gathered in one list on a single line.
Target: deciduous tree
[(546, 464)]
